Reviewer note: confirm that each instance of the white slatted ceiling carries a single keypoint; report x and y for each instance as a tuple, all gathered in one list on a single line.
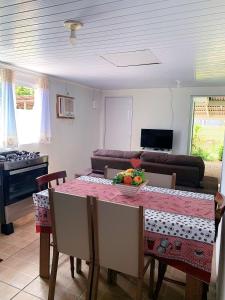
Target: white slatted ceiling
[(188, 36)]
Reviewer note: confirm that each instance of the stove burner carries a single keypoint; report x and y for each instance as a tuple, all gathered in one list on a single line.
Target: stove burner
[(18, 156)]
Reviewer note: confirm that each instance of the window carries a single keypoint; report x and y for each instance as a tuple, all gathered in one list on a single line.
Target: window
[(24, 109), (24, 97), (26, 115)]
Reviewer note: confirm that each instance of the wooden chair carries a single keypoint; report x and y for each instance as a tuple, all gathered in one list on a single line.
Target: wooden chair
[(154, 179), (219, 210), (72, 233), (118, 242), (161, 180), (45, 181), (110, 173)]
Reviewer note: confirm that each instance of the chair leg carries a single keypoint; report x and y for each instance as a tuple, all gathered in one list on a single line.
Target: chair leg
[(52, 281), (95, 282), (72, 266), (161, 273), (78, 266), (151, 279), (139, 289), (90, 278), (205, 291), (111, 276)]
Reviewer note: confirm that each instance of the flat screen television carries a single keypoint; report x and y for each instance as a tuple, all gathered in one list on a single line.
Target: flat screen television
[(157, 139)]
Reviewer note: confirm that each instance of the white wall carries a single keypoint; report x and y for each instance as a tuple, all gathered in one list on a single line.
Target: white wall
[(152, 108), (72, 140)]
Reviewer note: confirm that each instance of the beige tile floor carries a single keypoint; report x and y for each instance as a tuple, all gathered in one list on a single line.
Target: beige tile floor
[(19, 278)]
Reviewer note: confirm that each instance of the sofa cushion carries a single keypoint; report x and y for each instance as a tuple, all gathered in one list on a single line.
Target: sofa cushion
[(184, 160), (117, 153), (154, 157), (187, 160)]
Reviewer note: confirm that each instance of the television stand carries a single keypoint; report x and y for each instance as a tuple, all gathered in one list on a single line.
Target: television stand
[(158, 150)]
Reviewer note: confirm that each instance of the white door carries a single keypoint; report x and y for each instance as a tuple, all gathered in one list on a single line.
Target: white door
[(118, 123)]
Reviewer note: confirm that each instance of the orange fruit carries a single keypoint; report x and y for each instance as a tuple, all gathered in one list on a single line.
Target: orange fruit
[(127, 179), (138, 179), (129, 170)]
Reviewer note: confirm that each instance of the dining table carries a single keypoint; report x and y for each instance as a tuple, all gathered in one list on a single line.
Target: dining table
[(179, 226)]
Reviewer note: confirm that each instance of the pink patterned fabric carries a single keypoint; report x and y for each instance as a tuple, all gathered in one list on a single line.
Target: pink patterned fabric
[(191, 255), (151, 200)]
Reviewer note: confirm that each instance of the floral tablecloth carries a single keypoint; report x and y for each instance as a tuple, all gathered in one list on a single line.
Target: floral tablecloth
[(179, 225)]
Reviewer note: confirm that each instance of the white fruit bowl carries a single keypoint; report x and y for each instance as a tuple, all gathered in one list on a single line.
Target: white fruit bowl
[(129, 190)]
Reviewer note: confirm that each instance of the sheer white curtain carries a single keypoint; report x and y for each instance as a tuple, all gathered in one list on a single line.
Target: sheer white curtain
[(34, 124), (8, 130), (42, 108), (27, 122)]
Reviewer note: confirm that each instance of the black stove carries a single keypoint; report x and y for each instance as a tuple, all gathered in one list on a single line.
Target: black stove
[(18, 155), (18, 171), (11, 160)]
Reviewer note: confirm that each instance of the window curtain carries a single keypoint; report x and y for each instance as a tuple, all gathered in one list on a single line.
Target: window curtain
[(8, 120), (42, 108)]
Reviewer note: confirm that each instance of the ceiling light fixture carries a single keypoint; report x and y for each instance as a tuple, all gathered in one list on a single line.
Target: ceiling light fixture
[(73, 26)]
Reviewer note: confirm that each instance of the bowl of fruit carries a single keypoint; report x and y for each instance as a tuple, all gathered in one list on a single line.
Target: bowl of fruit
[(129, 182)]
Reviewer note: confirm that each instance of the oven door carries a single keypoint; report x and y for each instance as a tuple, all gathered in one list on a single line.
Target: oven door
[(20, 184)]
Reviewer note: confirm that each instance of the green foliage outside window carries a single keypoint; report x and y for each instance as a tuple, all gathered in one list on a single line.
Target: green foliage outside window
[(24, 97), (221, 152), (207, 142), (24, 91)]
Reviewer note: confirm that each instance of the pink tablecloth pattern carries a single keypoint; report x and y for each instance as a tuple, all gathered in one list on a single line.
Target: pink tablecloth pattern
[(179, 226), (42, 212)]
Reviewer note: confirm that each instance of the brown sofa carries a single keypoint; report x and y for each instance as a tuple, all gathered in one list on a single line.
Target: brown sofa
[(189, 169)]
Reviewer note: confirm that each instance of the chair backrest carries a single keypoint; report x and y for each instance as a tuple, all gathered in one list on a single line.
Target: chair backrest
[(71, 224), (44, 180), (219, 210), (119, 237), (154, 179), (110, 173), (161, 180)]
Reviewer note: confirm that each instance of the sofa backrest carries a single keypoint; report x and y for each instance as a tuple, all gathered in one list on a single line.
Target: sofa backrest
[(113, 159), (117, 153), (177, 160), (98, 163)]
